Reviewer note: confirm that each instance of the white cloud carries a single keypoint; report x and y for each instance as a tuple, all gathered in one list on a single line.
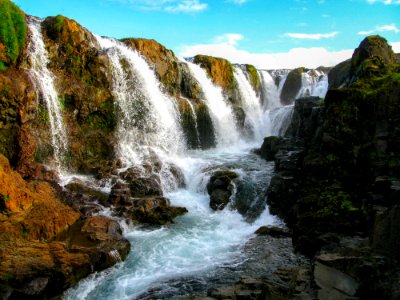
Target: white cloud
[(312, 36), (386, 2), (187, 6), (175, 6), (396, 47), (383, 28), (228, 39), (296, 57)]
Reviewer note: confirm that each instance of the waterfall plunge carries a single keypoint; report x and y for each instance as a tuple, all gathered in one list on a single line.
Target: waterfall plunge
[(221, 113), (44, 80), (148, 119), (254, 121), (271, 91)]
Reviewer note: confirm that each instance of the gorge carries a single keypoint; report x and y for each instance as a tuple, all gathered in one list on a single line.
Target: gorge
[(129, 173)]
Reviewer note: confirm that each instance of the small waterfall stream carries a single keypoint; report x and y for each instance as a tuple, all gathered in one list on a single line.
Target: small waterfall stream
[(44, 80), (254, 122), (221, 112), (314, 83), (271, 92)]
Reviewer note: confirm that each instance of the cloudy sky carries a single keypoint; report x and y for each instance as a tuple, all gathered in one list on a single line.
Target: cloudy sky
[(267, 33)]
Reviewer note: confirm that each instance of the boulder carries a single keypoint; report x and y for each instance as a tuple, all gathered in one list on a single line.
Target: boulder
[(220, 188), (292, 86), (274, 231)]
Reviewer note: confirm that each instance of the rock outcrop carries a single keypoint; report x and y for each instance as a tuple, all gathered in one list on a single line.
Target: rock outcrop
[(45, 246), (339, 175)]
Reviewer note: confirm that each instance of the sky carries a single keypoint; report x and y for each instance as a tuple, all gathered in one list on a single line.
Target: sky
[(270, 34)]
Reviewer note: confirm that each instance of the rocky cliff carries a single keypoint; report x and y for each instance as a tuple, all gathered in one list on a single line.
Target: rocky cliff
[(337, 175)]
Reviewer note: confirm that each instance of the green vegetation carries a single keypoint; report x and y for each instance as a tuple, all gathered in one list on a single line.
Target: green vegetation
[(254, 77), (12, 33)]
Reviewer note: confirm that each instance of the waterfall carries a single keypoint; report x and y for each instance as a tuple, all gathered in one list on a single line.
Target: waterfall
[(194, 116), (314, 83), (221, 113), (148, 119), (251, 105), (43, 79), (271, 91)]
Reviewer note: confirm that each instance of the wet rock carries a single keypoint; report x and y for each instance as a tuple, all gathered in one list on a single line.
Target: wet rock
[(292, 86), (151, 210), (220, 188), (274, 231)]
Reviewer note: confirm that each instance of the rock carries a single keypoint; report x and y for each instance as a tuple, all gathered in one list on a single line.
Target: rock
[(152, 211), (274, 231), (373, 57), (44, 247), (270, 147), (292, 86), (220, 188), (339, 75)]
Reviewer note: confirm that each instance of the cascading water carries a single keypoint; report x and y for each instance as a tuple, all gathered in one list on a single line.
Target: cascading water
[(251, 105), (194, 116), (313, 83), (147, 117), (221, 113), (176, 261), (44, 80), (271, 92)]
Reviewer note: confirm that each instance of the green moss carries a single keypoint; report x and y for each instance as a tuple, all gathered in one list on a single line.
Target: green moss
[(59, 22), (254, 77), (12, 33), (43, 151)]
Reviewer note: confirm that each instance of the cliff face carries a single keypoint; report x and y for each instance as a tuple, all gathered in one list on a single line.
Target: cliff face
[(337, 168)]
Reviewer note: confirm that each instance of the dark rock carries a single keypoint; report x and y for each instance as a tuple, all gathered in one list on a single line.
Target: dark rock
[(276, 232), (339, 75), (220, 188), (292, 86), (270, 147), (152, 211)]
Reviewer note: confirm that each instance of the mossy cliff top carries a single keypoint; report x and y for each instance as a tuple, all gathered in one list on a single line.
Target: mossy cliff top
[(12, 33), (218, 69), (254, 78)]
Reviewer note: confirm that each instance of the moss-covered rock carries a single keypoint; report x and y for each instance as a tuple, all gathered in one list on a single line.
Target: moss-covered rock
[(83, 85), (292, 86), (347, 142), (338, 75), (254, 78), (374, 57), (219, 70), (12, 33)]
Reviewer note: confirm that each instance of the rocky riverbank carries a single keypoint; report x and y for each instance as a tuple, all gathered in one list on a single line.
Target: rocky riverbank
[(337, 177)]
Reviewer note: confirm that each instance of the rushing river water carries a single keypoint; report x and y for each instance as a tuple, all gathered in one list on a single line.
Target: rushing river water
[(197, 245)]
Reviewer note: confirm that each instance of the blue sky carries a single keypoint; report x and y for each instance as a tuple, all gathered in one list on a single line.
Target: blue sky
[(267, 33)]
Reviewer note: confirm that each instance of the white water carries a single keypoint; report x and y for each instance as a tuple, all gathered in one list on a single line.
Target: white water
[(314, 83), (271, 91), (148, 119), (202, 240), (251, 105), (44, 80), (220, 111), (194, 116), (196, 244)]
